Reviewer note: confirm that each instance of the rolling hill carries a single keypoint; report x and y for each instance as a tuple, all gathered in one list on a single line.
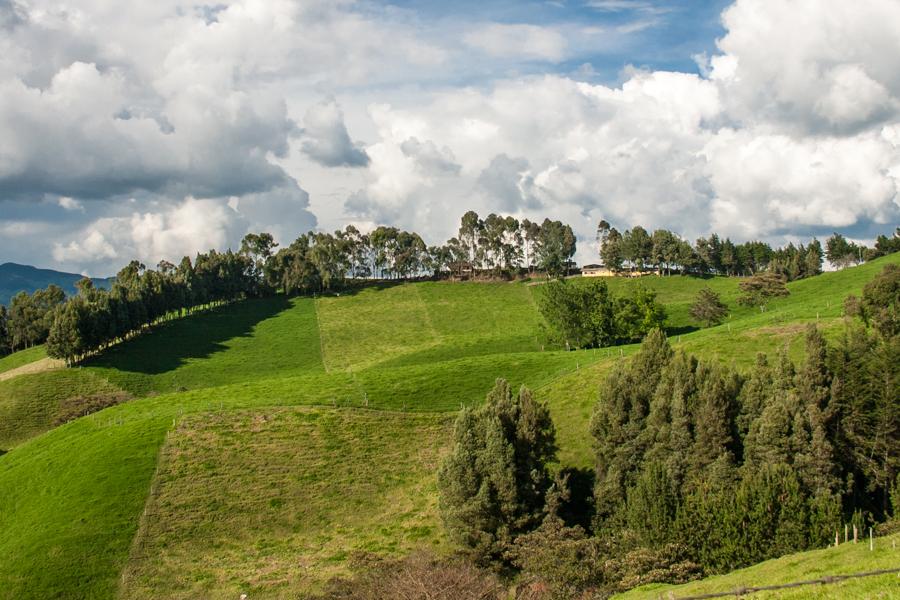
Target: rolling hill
[(269, 441), (15, 278)]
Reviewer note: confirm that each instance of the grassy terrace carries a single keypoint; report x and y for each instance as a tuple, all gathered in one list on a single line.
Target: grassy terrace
[(338, 403)]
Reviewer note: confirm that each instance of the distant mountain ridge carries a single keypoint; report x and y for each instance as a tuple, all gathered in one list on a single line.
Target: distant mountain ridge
[(15, 278)]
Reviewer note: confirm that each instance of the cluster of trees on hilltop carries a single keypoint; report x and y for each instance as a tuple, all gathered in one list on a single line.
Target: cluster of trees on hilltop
[(699, 467), (843, 253), (493, 246), (665, 252)]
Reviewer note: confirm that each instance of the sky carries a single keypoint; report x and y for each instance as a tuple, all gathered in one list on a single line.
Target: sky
[(176, 126)]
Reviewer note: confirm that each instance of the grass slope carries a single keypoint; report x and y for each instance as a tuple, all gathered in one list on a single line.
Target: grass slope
[(30, 404), (250, 340), (22, 357), (239, 506), (816, 564), (73, 497)]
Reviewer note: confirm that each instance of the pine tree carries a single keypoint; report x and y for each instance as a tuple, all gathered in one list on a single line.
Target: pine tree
[(712, 453), (652, 505), (708, 308), (619, 418), (768, 440), (668, 428), (493, 483)]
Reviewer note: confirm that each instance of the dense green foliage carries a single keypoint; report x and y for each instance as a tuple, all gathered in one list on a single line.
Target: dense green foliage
[(140, 297), (741, 469), (762, 287), (588, 316), (493, 483), (28, 321)]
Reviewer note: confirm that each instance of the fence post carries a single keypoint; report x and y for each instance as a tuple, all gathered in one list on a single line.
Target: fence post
[(837, 538), (871, 541), (855, 534)]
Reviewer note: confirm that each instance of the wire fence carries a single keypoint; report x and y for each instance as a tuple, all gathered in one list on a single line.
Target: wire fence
[(744, 591)]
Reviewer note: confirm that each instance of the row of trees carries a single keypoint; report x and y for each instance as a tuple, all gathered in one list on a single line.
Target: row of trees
[(699, 468), (665, 252), (141, 297), (494, 246)]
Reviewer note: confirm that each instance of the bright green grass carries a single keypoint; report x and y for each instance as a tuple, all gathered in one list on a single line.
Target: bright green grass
[(124, 440), (99, 468), (843, 560), (373, 325), (254, 339), (22, 357), (30, 403), (69, 507), (239, 506)]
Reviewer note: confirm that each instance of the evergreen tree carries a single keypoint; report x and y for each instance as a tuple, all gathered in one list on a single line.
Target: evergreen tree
[(619, 418), (652, 505), (493, 483), (708, 308), (712, 454)]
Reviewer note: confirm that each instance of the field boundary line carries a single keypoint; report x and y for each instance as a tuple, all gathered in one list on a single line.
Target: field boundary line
[(143, 521), (438, 338), (321, 334)]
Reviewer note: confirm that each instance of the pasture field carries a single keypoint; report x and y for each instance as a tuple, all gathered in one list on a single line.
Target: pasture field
[(274, 501), (338, 393), (803, 566)]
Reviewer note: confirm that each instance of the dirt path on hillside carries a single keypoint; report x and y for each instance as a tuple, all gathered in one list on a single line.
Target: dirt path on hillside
[(38, 366)]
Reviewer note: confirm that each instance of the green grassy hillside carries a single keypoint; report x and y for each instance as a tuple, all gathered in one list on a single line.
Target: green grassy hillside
[(22, 357), (155, 488), (803, 566), (32, 404)]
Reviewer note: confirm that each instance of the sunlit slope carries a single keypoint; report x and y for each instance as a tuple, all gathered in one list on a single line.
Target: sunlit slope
[(99, 468), (32, 404), (273, 502), (746, 332), (22, 357), (804, 566), (423, 323), (73, 497)]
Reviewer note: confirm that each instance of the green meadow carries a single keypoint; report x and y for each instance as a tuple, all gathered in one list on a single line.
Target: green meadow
[(268, 441)]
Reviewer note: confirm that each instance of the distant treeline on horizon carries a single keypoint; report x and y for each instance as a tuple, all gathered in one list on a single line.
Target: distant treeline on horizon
[(317, 262)]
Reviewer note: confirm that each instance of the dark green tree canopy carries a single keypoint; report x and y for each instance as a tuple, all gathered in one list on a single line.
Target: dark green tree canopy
[(493, 483)]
